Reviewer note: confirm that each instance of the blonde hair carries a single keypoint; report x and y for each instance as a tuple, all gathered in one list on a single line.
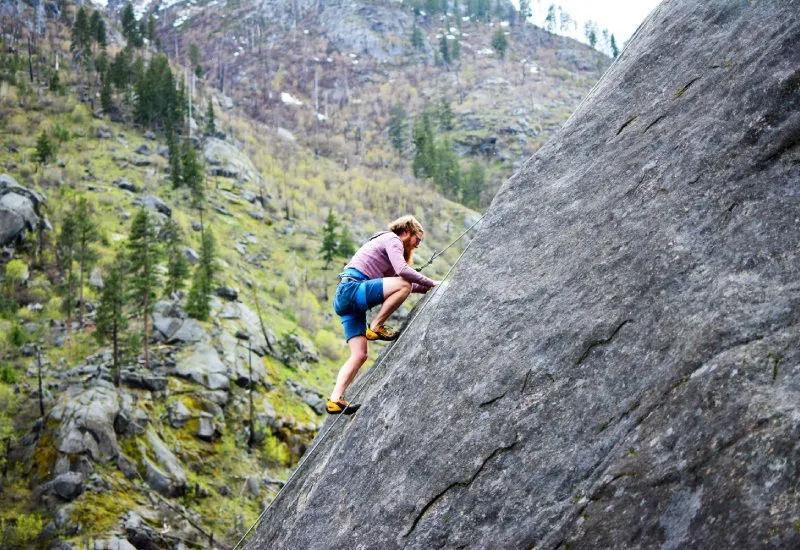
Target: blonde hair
[(407, 224)]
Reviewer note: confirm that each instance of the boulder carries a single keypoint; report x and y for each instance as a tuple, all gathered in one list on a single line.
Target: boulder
[(126, 185), (225, 160), (144, 150), (114, 543), (167, 460), (178, 414), (227, 293), (86, 423), (151, 202), (207, 428), (203, 365), (19, 211), (96, 278), (68, 486), (625, 371), (190, 332)]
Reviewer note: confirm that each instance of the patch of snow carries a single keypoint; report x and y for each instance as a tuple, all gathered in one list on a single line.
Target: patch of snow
[(179, 21), (321, 117), (503, 23), (486, 51), (465, 18), (355, 62), (451, 37), (287, 98), (352, 55)]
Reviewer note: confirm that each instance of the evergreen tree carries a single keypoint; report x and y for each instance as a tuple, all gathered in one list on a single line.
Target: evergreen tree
[(455, 51), (398, 128), (194, 59), (177, 266), (525, 9), (550, 19), (157, 99), (424, 152), (81, 32), (66, 253), (106, 94), (590, 32), (346, 245), (444, 49), (500, 43), (130, 29), (417, 38), (329, 238), (198, 302), (110, 320), (192, 175), (120, 69), (45, 150), (447, 172), (174, 154), (97, 29), (143, 257), (473, 185), (211, 126), (614, 48), (85, 235), (445, 115)]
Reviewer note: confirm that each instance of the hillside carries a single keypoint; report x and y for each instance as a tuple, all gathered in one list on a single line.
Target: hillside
[(626, 373), (176, 454)]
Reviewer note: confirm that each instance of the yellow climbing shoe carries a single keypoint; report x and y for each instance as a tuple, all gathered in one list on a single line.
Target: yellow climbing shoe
[(381, 333), (340, 406)]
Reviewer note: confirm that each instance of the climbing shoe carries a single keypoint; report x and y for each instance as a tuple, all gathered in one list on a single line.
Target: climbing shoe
[(381, 333), (341, 406)]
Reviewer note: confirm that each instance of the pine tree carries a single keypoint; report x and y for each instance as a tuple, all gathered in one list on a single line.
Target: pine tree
[(614, 48), (398, 128), (346, 246), (455, 51), (85, 235), (192, 174), (130, 29), (211, 126), (45, 150), (174, 154), (590, 32), (198, 303), (177, 266), (81, 32), (500, 43), (473, 184), (445, 115), (424, 152), (444, 49), (417, 38), (329, 238), (110, 320), (143, 257), (550, 19), (66, 252), (106, 94), (525, 9)]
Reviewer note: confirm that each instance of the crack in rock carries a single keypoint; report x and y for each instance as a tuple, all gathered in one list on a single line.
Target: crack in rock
[(453, 485)]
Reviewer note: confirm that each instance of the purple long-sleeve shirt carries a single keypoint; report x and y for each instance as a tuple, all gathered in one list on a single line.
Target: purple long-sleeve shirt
[(382, 256)]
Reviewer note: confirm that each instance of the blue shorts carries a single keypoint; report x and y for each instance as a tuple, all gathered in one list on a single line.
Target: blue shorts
[(353, 299)]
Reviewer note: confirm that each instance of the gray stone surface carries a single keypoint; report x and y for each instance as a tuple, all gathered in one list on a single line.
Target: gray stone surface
[(203, 365), (86, 423), (226, 160), (68, 486), (151, 202), (178, 414), (19, 210), (166, 460), (615, 362)]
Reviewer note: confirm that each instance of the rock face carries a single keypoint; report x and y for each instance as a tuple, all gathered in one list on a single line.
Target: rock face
[(19, 211), (615, 363)]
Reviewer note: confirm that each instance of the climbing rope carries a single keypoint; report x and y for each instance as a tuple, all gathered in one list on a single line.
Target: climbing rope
[(365, 379), (437, 254)]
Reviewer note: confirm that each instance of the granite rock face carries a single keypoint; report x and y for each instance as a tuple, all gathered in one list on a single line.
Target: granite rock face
[(616, 361)]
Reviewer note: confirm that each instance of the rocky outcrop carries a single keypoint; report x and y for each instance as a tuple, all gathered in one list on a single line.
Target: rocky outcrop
[(86, 423), (225, 160), (615, 362), (19, 211)]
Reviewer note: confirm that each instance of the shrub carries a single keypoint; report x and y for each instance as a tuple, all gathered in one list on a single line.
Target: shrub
[(281, 290), (7, 374), (328, 344)]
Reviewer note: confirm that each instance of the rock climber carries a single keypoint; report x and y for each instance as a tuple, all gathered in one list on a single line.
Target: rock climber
[(378, 273)]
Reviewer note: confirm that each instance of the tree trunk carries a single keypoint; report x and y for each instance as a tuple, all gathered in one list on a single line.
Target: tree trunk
[(252, 439), (117, 376), (80, 289), (39, 371)]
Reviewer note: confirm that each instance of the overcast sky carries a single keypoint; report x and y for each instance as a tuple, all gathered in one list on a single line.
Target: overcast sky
[(620, 17)]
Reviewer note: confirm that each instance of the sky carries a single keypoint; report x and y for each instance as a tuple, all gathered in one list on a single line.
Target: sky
[(620, 17)]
